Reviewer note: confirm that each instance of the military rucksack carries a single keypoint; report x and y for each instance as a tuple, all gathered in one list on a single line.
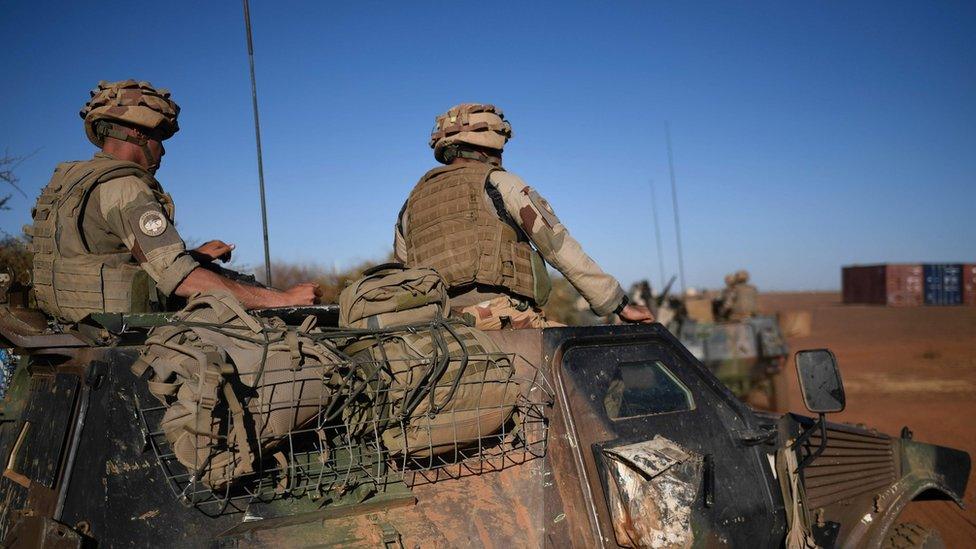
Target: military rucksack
[(234, 385), (433, 389), (393, 295)]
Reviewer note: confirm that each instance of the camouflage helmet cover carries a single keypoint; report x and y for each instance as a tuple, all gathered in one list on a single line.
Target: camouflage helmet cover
[(133, 103), (477, 124), (742, 276), (729, 279)]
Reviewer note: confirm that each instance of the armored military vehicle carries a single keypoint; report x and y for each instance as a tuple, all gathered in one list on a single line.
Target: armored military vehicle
[(747, 355), (621, 437)]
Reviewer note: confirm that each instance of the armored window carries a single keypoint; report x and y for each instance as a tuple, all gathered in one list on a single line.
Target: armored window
[(644, 388)]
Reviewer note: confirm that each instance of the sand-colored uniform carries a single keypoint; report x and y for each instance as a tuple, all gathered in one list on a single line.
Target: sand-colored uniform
[(738, 301), (516, 304), (104, 241)]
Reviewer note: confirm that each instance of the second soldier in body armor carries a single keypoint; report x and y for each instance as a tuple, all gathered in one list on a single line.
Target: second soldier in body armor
[(738, 300), (490, 235)]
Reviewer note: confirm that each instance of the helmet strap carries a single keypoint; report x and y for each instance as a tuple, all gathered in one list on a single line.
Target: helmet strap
[(454, 151), (116, 131)]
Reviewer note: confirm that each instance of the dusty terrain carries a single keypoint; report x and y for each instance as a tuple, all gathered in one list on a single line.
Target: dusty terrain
[(901, 366)]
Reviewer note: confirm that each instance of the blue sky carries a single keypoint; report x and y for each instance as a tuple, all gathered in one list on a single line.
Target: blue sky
[(806, 136)]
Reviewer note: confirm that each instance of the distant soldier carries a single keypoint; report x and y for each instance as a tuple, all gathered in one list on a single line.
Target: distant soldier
[(642, 294), (103, 236), (490, 235), (722, 304), (738, 300)]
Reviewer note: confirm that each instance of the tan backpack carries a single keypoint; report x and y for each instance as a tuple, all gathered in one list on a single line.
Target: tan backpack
[(393, 295), (435, 389), (234, 385)]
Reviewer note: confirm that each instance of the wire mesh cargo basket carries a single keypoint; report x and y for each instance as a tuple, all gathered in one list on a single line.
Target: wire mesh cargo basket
[(446, 411)]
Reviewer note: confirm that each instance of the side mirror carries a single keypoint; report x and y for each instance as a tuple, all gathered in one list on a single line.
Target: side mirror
[(820, 383)]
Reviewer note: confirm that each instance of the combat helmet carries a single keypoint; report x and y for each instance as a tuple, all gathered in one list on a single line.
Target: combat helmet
[(476, 124), (742, 276), (130, 103)]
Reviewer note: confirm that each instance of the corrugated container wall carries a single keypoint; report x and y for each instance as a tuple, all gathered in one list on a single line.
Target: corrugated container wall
[(943, 284), (903, 284), (893, 285), (969, 285), (864, 284)]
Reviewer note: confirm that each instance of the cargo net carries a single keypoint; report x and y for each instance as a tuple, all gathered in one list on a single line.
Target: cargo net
[(406, 406)]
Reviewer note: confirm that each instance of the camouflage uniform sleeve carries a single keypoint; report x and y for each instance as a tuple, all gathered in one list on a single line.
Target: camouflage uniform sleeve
[(138, 219), (557, 246)]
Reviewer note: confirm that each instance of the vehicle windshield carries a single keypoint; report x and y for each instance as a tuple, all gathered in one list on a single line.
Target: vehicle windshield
[(644, 388)]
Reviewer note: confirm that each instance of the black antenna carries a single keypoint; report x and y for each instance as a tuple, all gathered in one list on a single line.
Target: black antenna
[(674, 200), (657, 231), (257, 139)]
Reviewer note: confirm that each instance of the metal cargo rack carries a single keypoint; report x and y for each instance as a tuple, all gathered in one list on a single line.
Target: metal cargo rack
[(340, 459)]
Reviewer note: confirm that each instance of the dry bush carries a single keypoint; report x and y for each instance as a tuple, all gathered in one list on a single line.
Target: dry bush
[(15, 259), (565, 303), (7, 175), (285, 274), (567, 306)]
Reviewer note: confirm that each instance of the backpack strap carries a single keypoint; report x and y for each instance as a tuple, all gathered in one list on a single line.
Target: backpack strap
[(294, 349), (238, 432)]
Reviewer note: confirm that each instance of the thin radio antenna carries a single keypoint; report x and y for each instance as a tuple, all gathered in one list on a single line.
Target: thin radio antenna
[(257, 140), (674, 201), (657, 233)]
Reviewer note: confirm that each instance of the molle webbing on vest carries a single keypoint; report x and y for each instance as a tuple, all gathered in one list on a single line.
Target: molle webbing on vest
[(70, 281), (452, 229)]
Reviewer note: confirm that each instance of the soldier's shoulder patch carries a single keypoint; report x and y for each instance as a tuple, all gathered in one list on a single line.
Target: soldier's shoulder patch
[(152, 223), (541, 204)]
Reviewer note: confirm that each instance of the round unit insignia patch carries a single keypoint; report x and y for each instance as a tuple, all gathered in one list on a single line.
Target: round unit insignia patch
[(152, 223)]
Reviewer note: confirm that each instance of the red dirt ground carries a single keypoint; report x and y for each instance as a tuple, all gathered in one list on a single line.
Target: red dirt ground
[(901, 366)]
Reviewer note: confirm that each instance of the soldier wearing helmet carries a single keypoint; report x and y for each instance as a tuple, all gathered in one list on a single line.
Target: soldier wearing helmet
[(738, 300), (490, 235), (103, 236)]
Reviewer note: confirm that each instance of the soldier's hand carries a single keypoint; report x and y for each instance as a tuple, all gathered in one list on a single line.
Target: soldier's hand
[(636, 313), (306, 293), (214, 250)]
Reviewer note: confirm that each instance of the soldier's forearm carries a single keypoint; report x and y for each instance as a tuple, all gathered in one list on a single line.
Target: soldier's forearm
[(252, 297)]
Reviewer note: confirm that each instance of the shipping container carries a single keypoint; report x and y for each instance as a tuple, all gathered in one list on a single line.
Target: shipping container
[(864, 284), (969, 285), (903, 285), (943, 284), (895, 285)]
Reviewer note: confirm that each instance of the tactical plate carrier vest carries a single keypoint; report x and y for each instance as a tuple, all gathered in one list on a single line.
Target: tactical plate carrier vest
[(744, 304), (451, 229), (72, 276)]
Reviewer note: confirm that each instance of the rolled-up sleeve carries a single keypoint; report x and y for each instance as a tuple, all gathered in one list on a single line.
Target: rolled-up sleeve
[(139, 220), (536, 217)]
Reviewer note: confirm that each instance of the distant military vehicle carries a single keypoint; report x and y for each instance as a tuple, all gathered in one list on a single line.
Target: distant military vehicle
[(747, 355), (622, 437)]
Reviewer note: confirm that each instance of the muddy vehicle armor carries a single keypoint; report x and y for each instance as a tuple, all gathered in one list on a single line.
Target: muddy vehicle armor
[(628, 441)]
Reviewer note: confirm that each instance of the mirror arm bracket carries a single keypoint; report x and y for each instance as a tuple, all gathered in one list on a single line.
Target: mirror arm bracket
[(821, 425)]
